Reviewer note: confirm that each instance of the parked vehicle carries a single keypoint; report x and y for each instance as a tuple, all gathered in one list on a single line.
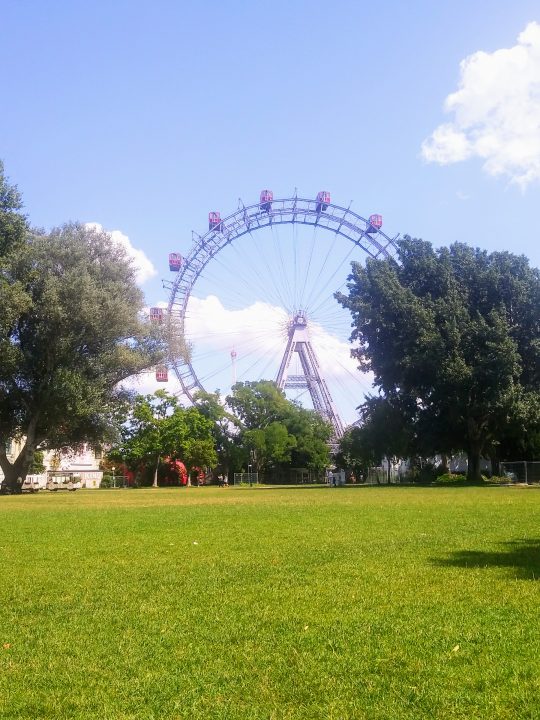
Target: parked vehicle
[(69, 481), (31, 485)]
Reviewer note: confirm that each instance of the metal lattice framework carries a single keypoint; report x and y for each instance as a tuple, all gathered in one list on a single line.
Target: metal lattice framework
[(299, 341), (338, 220)]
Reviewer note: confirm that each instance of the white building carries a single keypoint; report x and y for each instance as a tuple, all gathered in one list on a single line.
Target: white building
[(83, 462)]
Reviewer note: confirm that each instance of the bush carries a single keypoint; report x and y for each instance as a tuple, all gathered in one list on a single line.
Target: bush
[(107, 481), (451, 479), (499, 480)]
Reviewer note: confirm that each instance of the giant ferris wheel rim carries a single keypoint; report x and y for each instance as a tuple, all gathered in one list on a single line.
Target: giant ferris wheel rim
[(247, 219)]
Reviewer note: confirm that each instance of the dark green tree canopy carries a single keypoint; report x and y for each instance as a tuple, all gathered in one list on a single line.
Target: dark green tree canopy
[(454, 334), (13, 224), (71, 332)]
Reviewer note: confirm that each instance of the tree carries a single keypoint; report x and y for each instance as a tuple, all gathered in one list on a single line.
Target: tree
[(225, 430), (454, 335), (276, 431), (147, 433), (260, 407), (195, 444), (257, 404), (13, 224), (158, 428), (13, 296), (270, 446), (357, 452), (71, 331), (385, 432), (313, 435)]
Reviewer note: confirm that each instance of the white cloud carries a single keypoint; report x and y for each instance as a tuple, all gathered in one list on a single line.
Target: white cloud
[(211, 325), (258, 332), (261, 328), (496, 112), (144, 267)]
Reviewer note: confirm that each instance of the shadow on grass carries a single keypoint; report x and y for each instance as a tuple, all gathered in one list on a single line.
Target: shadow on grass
[(522, 557)]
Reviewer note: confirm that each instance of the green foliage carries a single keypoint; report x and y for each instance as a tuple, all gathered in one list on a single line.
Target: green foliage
[(384, 432), (451, 479), (107, 481), (13, 224), (74, 333), (271, 445), (37, 466), (257, 404), (498, 480), (312, 434), (224, 425), (158, 428), (453, 339), (276, 432)]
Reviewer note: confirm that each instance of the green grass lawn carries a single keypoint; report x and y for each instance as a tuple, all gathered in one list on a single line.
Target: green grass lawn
[(376, 603)]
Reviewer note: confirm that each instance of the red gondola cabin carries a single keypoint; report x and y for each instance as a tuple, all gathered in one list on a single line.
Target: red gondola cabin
[(162, 374), (214, 221), (266, 200), (175, 262), (156, 315), (375, 223), (323, 200)]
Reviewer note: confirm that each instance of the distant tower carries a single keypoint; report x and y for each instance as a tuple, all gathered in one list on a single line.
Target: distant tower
[(233, 362), (298, 341)]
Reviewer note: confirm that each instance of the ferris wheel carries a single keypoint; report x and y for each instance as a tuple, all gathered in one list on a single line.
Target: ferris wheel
[(259, 285)]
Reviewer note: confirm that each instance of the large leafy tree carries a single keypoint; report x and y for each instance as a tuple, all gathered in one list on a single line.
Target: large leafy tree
[(71, 330), (313, 435), (13, 232), (157, 428), (276, 431), (384, 431), (260, 407), (147, 432), (225, 430), (454, 335)]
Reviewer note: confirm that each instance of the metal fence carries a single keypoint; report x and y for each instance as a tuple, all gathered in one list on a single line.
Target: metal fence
[(288, 476), (521, 471), (246, 479)]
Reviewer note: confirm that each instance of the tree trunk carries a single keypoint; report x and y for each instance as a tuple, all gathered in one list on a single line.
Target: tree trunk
[(473, 463), (495, 464), (155, 483), (11, 477), (444, 468), (473, 470), (474, 453), (15, 473)]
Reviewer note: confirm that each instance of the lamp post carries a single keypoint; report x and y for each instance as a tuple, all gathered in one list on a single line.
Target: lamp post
[(113, 480), (252, 458)]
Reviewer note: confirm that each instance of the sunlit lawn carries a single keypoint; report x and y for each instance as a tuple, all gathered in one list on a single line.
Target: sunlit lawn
[(282, 603)]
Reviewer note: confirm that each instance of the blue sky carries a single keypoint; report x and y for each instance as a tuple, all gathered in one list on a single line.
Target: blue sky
[(144, 116)]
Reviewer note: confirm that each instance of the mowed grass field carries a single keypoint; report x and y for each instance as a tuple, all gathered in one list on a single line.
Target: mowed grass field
[(267, 604)]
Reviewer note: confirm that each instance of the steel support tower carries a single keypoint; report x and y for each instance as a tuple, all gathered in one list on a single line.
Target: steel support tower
[(298, 341)]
